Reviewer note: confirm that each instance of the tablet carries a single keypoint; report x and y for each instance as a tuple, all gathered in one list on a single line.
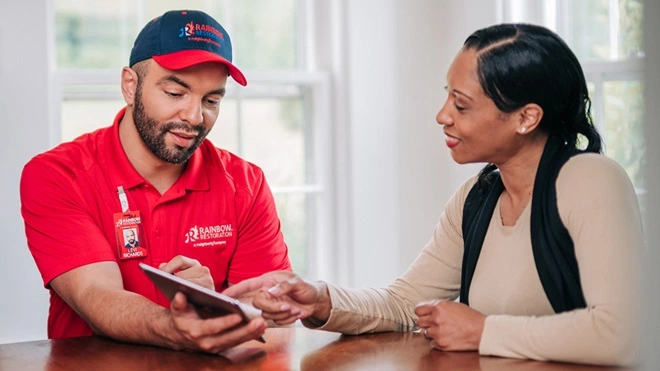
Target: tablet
[(207, 303)]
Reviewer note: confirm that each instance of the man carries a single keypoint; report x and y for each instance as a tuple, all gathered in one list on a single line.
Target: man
[(200, 212), (129, 238)]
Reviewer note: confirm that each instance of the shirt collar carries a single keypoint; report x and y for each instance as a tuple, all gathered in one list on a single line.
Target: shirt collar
[(194, 177), (123, 173)]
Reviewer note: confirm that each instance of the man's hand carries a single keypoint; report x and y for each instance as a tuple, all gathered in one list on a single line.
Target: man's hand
[(211, 335), (449, 325), (190, 270), (284, 297), (95, 291)]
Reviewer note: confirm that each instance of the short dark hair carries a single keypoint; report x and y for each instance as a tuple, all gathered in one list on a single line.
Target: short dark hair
[(520, 64), (141, 68)]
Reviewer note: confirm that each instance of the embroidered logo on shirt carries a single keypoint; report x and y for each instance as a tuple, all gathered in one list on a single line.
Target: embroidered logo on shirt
[(208, 236)]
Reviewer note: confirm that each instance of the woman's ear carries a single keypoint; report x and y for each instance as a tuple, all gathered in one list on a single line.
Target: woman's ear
[(129, 83), (530, 118)]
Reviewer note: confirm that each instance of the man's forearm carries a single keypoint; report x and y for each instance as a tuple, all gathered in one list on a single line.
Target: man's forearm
[(126, 316)]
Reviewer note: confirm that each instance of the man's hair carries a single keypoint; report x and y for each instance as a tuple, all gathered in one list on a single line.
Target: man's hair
[(141, 68)]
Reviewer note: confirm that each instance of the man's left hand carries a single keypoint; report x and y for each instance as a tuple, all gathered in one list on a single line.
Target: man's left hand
[(190, 270)]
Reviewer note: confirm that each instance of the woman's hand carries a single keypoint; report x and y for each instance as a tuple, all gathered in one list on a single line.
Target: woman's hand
[(284, 297), (449, 325)]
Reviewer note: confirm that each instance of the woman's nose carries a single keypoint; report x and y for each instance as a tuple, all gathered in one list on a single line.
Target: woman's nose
[(443, 118)]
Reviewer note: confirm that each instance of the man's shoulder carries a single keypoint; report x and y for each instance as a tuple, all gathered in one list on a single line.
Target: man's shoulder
[(61, 168), (74, 156)]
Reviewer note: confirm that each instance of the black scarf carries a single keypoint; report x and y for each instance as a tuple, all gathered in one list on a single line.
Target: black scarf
[(553, 249)]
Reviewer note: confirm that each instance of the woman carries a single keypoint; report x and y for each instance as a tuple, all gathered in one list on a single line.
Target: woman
[(541, 246)]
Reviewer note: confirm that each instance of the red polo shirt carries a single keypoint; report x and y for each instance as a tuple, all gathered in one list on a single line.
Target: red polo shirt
[(220, 212)]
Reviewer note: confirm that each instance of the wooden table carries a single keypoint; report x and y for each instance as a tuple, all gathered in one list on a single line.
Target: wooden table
[(285, 349)]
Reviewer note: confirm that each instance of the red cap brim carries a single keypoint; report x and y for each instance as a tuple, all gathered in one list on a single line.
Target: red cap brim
[(187, 58)]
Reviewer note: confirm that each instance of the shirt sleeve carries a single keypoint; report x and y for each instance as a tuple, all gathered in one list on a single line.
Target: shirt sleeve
[(260, 246), (598, 206), (435, 274), (61, 233)]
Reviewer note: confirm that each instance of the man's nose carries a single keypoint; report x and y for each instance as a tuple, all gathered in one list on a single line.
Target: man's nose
[(192, 113)]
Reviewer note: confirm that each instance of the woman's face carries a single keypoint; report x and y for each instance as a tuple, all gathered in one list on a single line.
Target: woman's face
[(475, 129)]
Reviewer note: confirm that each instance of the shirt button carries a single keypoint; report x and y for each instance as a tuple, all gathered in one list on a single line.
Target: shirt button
[(157, 232)]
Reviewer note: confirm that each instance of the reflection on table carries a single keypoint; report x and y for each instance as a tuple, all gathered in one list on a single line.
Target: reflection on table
[(285, 349)]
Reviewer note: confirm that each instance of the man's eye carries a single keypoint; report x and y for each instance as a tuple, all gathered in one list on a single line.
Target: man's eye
[(174, 95)]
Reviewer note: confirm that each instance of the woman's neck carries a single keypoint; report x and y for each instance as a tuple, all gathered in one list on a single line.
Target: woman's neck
[(518, 175)]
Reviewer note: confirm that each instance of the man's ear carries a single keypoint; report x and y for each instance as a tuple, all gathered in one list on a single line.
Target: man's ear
[(530, 118), (129, 83)]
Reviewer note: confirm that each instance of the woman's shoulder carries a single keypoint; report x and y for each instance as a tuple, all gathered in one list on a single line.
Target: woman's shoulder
[(465, 188), (591, 176), (591, 167)]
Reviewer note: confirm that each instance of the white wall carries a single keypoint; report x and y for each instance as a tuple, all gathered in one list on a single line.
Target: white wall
[(429, 35), (25, 125), (371, 90), (651, 287), (401, 174)]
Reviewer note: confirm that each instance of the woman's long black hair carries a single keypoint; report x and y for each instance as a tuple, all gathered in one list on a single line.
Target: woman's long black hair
[(523, 63)]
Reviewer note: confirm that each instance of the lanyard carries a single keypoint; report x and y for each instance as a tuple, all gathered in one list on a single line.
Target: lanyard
[(122, 199)]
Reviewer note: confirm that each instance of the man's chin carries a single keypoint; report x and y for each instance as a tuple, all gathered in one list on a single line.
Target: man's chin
[(176, 156)]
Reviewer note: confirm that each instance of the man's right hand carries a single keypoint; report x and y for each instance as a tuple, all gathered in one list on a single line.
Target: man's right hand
[(284, 297), (211, 335), (96, 292)]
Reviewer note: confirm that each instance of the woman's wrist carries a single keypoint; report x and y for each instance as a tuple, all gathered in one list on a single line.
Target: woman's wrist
[(323, 305)]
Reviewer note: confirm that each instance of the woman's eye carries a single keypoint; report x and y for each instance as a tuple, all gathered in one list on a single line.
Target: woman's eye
[(459, 108)]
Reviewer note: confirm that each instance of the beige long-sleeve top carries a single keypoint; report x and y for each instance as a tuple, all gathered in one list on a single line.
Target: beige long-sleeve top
[(598, 206)]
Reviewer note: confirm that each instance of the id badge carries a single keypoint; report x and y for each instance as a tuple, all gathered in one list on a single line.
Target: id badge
[(131, 243)]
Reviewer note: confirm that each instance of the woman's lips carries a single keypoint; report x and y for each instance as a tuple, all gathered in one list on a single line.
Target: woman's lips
[(451, 141)]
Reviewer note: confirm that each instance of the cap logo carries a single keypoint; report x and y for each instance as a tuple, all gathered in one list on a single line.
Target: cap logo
[(188, 30), (202, 32)]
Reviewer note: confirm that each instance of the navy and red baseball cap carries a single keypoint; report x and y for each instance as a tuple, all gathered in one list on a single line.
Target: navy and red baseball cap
[(182, 38)]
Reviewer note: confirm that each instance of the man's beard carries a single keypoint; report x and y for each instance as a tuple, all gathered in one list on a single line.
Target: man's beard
[(153, 134)]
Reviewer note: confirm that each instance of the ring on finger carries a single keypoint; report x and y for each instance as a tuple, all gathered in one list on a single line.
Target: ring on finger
[(426, 333)]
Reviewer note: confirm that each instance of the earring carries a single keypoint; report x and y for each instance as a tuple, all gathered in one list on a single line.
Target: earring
[(523, 130)]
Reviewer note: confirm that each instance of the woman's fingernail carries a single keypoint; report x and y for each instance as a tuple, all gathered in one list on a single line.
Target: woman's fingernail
[(275, 290)]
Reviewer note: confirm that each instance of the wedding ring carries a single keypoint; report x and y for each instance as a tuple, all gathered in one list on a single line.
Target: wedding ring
[(426, 333)]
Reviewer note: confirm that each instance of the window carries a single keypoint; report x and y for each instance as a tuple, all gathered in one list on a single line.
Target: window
[(606, 36), (276, 122)]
